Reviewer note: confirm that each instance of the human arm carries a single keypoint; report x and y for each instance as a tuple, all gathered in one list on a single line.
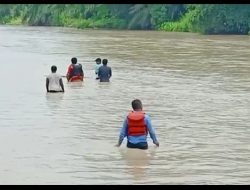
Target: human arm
[(82, 73), (123, 132), (47, 84), (98, 72), (110, 72), (68, 75), (61, 84), (151, 130), (96, 69)]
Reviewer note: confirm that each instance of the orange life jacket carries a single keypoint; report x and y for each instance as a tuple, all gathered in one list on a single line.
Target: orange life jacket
[(136, 123), (76, 79)]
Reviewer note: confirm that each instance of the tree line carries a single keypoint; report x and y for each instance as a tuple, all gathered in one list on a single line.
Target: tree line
[(201, 18)]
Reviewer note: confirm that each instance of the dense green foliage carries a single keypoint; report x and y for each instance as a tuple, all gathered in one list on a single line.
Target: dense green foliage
[(206, 19)]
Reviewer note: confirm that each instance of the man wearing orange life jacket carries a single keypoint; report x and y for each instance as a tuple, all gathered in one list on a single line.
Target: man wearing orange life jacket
[(75, 72), (136, 127)]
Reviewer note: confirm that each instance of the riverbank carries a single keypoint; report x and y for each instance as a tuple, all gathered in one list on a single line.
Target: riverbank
[(84, 24), (205, 19)]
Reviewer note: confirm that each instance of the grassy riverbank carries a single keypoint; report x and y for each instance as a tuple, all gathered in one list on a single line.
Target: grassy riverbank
[(205, 19)]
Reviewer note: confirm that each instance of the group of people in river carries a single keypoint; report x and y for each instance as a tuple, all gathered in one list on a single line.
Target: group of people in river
[(54, 82), (137, 123)]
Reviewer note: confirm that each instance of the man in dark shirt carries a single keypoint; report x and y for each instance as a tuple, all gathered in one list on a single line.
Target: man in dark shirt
[(105, 71)]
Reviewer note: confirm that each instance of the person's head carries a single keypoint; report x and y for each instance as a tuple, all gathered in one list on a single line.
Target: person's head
[(98, 61), (53, 68), (104, 61), (137, 104), (74, 60)]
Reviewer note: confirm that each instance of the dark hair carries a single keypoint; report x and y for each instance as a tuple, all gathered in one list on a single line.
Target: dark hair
[(136, 104), (104, 61), (74, 60), (98, 60), (53, 68)]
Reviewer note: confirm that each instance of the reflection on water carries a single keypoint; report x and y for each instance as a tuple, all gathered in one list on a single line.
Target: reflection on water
[(54, 100), (75, 85), (137, 161), (195, 89)]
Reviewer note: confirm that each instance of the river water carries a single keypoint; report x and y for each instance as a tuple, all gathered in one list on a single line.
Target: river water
[(195, 88)]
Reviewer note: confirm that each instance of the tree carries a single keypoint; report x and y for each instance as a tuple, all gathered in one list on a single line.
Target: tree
[(141, 17)]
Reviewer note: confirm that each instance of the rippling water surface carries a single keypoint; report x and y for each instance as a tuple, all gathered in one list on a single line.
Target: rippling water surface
[(195, 88)]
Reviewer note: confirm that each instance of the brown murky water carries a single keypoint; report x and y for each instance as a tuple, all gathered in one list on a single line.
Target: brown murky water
[(195, 88)]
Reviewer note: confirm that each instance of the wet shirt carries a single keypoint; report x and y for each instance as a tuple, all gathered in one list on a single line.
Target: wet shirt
[(104, 73), (97, 66), (54, 83)]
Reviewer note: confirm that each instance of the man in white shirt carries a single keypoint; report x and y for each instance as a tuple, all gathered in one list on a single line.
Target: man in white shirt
[(54, 82)]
